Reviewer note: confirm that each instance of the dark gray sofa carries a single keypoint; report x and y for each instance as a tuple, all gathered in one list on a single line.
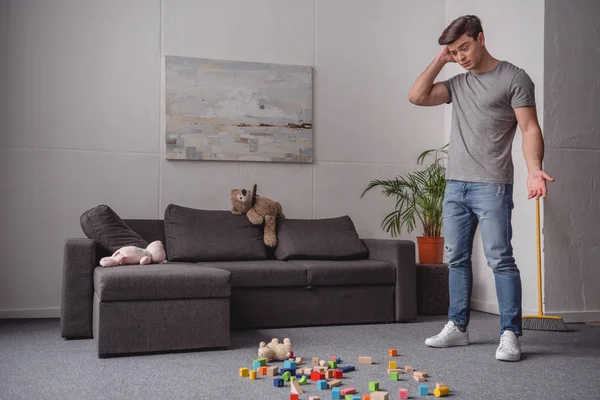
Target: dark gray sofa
[(184, 305)]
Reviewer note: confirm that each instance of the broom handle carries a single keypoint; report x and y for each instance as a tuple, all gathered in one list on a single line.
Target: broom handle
[(539, 257)]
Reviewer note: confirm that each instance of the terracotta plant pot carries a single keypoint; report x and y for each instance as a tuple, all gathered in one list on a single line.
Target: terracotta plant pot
[(431, 249)]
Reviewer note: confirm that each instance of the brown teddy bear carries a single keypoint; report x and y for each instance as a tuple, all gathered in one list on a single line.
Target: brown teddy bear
[(275, 351), (259, 210)]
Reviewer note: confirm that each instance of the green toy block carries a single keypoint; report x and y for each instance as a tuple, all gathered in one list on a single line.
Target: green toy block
[(394, 376), (302, 380), (332, 364), (286, 376), (374, 386), (349, 397)]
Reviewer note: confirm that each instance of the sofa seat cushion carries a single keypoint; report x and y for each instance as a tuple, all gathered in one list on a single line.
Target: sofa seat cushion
[(266, 273), (350, 272), (160, 281)]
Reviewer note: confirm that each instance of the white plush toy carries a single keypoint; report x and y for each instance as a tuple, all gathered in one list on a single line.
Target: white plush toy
[(275, 351), (128, 255)]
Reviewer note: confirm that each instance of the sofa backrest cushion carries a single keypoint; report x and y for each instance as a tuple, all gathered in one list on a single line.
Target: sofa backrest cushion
[(319, 239), (109, 231), (195, 235)]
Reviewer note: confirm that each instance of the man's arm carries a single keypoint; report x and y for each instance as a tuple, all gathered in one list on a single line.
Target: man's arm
[(424, 92), (533, 151)]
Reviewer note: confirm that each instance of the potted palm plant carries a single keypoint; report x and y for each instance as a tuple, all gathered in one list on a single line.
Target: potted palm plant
[(419, 196)]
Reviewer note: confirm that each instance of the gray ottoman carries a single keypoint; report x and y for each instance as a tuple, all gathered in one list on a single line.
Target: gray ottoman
[(160, 307), (432, 289)]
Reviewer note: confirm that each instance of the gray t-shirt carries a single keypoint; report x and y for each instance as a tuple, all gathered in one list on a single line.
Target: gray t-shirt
[(484, 122)]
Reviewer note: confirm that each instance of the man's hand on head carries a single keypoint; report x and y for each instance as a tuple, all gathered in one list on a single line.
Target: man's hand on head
[(536, 184), (445, 55)]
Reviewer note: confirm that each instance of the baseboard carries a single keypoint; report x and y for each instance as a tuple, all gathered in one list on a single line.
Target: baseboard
[(577, 316), (52, 312)]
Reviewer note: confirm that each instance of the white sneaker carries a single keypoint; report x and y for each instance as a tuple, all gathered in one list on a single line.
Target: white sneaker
[(510, 348), (449, 336)]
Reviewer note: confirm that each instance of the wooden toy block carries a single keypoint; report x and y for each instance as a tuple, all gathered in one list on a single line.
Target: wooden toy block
[(329, 374), (408, 368), (298, 360), (289, 364), (373, 386), (286, 376), (262, 370), (321, 370), (291, 354), (441, 391), (423, 390), (346, 391), (292, 371), (323, 363), (392, 365), (418, 378), (333, 358), (355, 397), (332, 364), (398, 370), (252, 375), (392, 352), (380, 396), (334, 382), (403, 393), (322, 385), (314, 398), (292, 378), (366, 397), (244, 372), (347, 368), (365, 360), (317, 376), (256, 364), (315, 361), (272, 370), (295, 388), (307, 371), (338, 374), (278, 382), (422, 373), (303, 380), (440, 384), (293, 396), (336, 393), (394, 376)]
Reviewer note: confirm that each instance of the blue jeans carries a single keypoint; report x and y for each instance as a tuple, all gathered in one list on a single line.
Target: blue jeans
[(489, 205)]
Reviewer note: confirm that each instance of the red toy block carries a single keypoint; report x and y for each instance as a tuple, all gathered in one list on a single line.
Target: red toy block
[(293, 397), (338, 374), (317, 376)]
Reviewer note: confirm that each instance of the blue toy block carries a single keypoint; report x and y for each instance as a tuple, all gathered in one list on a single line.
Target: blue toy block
[(347, 368), (292, 371), (423, 390), (322, 385), (355, 397), (256, 365), (335, 394), (289, 364), (278, 382)]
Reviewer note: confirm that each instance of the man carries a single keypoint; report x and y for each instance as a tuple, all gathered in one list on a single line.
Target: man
[(488, 101)]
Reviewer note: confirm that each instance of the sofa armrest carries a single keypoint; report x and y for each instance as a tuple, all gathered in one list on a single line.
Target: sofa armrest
[(77, 288), (401, 253)]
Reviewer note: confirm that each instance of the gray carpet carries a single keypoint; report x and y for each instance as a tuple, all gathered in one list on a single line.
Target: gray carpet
[(35, 363)]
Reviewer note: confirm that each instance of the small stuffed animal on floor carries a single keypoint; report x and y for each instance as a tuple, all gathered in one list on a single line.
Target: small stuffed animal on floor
[(259, 210), (128, 255), (275, 351)]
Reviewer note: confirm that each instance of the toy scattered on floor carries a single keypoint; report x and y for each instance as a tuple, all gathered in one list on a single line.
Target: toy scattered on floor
[(373, 386), (259, 210), (295, 388), (275, 351), (154, 253), (379, 396), (252, 375), (441, 391), (423, 390), (365, 360), (244, 372), (392, 352), (403, 393)]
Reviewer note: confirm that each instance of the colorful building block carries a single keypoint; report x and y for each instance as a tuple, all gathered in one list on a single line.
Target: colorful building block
[(272, 370), (392, 352), (334, 382), (336, 393), (252, 375), (423, 390), (259, 362), (332, 364), (403, 393), (322, 385), (380, 396), (262, 370), (286, 376), (244, 372), (292, 371), (293, 396), (289, 364), (317, 376), (295, 388), (302, 380), (315, 361), (338, 374), (365, 360), (346, 391), (314, 398), (278, 382), (373, 386), (441, 391), (366, 397), (394, 376), (347, 368), (392, 365)]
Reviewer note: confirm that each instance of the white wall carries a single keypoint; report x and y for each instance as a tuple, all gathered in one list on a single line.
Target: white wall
[(514, 32), (83, 121)]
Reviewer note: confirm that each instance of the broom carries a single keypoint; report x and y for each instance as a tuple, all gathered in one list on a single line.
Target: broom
[(542, 322)]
